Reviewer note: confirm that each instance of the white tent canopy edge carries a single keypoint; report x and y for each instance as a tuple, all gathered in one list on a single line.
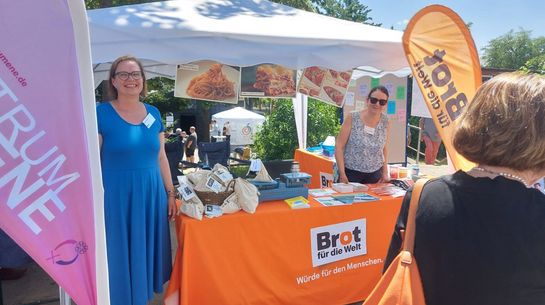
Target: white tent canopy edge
[(241, 33)]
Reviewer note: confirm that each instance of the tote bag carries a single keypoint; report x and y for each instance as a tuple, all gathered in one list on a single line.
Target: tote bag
[(401, 284)]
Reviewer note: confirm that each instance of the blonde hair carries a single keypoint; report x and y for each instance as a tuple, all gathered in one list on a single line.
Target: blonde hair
[(504, 125), (111, 90)]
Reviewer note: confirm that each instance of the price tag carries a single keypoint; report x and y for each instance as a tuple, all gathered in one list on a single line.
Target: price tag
[(224, 175), (214, 185), (369, 130), (148, 120), (186, 191), (255, 166)]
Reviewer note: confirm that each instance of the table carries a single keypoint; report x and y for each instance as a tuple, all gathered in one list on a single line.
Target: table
[(267, 257), (313, 165)]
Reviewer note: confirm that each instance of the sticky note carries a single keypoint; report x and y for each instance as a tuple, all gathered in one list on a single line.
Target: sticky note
[(391, 107), (400, 93), (374, 82)]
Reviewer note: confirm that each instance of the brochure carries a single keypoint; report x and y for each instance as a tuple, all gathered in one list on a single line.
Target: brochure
[(329, 201), (299, 202), (346, 199), (321, 192), (388, 190)]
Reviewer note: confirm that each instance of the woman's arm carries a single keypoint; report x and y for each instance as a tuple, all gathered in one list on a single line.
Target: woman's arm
[(167, 179), (340, 145), (385, 177)]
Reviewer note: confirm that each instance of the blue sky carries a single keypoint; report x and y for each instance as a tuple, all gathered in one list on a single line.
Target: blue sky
[(490, 18)]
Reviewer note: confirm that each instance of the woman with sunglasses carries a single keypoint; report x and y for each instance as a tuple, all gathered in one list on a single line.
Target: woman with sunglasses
[(138, 192), (360, 148)]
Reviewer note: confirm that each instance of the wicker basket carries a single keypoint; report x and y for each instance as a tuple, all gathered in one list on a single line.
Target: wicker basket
[(216, 198)]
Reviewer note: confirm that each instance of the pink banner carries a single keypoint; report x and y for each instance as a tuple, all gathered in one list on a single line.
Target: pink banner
[(46, 193)]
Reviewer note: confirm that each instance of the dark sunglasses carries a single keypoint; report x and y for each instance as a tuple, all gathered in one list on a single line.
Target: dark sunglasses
[(374, 100)]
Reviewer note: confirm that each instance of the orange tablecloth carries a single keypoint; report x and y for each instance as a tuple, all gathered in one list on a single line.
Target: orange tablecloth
[(258, 258), (313, 164)]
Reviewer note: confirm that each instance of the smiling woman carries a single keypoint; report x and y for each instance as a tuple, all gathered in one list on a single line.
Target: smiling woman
[(138, 191), (360, 148)]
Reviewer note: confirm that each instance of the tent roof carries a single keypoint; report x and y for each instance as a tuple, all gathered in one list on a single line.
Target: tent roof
[(238, 113), (238, 32)]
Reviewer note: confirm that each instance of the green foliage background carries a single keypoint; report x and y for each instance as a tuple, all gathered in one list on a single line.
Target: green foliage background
[(516, 50), (277, 139)]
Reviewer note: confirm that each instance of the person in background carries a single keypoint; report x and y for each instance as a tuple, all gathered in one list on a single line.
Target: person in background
[(139, 195), (479, 234), (227, 131), (214, 130), (360, 148), (13, 259), (431, 138), (191, 145)]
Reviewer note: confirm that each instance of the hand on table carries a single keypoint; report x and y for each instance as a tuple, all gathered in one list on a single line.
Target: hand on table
[(343, 178)]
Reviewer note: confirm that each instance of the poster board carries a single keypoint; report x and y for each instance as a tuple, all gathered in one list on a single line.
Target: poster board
[(208, 80), (324, 84), (396, 109), (267, 80)]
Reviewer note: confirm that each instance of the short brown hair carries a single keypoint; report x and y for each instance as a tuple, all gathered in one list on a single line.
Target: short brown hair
[(504, 125), (112, 91)]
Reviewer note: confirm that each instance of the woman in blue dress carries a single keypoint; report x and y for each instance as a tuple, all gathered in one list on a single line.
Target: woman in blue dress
[(138, 191)]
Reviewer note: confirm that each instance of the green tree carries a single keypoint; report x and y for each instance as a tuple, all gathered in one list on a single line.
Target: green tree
[(351, 10), (535, 65), (512, 50), (300, 4), (92, 4), (277, 139)]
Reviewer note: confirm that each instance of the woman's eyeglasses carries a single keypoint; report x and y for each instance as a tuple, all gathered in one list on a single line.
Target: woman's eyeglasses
[(136, 75), (374, 100)]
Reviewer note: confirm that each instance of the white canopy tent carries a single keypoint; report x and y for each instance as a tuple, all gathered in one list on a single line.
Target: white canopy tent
[(240, 33), (237, 32), (243, 124)]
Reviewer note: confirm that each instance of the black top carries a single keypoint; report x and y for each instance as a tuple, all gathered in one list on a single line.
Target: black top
[(478, 241), (191, 138)]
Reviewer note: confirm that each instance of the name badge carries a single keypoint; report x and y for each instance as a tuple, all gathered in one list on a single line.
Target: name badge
[(369, 130), (148, 120)]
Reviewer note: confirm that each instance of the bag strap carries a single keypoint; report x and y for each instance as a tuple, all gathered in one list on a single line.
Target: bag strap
[(408, 244)]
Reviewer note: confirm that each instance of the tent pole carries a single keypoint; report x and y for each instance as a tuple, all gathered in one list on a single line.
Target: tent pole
[(64, 298)]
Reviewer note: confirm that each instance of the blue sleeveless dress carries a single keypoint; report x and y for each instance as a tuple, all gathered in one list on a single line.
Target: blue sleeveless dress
[(135, 207)]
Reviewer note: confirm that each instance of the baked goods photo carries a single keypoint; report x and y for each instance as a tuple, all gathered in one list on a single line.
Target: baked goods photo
[(334, 94), (315, 75)]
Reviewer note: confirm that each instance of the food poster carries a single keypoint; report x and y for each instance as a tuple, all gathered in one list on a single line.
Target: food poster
[(395, 109), (208, 80), (325, 84), (267, 80)]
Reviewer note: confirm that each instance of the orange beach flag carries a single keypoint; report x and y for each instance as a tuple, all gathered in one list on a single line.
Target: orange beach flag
[(446, 67)]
